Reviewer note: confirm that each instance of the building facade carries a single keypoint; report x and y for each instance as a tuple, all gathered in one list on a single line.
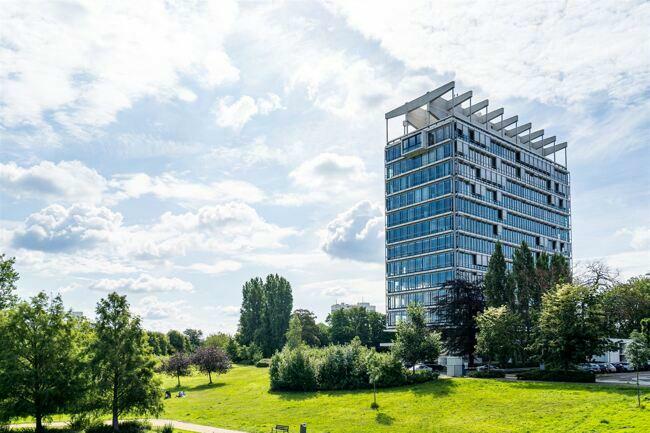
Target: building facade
[(459, 178), (343, 306)]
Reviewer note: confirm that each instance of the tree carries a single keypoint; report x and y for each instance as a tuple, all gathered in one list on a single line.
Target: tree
[(177, 365), (599, 275), (559, 270), (626, 305), (265, 312), (543, 277), (340, 328), (211, 360), (294, 334), (220, 340), (159, 343), (637, 352), (571, 326), (310, 331), (414, 341), (8, 278), (464, 301), (277, 312), (42, 361), (496, 285), (122, 363), (178, 341), (377, 326), (324, 334), (194, 338), (498, 334)]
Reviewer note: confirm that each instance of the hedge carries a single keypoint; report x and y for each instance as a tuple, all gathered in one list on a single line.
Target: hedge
[(492, 374), (263, 363), (558, 376)]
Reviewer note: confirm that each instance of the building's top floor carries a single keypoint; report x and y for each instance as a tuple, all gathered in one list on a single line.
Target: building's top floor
[(509, 130)]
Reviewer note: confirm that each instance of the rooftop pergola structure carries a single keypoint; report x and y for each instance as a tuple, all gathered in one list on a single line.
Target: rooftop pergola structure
[(444, 102)]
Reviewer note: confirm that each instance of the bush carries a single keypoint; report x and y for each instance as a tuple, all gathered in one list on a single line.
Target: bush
[(167, 428), (492, 374), (342, 367), (263, 363), (558, 376), (292, 370), (420, 376), (125, 427), (391, 371)]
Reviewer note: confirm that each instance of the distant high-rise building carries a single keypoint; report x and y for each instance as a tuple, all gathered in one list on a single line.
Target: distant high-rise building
[(458, 179)]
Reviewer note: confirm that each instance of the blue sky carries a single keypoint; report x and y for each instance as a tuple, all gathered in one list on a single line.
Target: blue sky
[(172, 150)]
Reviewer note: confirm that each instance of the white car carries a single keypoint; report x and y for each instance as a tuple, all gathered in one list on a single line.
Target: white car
[(485, 368), (422, 367)]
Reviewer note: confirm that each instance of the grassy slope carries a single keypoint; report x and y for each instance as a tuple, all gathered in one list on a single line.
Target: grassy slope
[(241, 400)]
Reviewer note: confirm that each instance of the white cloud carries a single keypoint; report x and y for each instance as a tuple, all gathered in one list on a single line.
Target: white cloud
[(235, 114), (224, 310), (86, 61), (143, 284), (639, 237), (169, 187), (552, 52), (357, 233), (217, 268), (150, 308), (56, 228), (69, 181)]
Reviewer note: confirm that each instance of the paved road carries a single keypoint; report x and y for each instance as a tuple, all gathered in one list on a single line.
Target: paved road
[(154, 423), (624, 378)]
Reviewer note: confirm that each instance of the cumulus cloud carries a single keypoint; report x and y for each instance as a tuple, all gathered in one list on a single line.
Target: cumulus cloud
[(85, 61), (143, 284), (150, 308), (639, 237), (57, 228), (357, 233), (235, 114), (68, 181)]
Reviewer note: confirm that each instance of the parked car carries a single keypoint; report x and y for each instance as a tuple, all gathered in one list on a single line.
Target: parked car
[(598, 368), (627, 366), (485, 367), (422, 367), (435, 367), (609, 367), (620, 368), (586, 366)]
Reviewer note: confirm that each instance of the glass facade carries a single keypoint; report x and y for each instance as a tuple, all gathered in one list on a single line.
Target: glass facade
[(454, 190)]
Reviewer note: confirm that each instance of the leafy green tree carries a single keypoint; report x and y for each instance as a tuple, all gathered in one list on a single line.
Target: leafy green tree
[(220, 340), (194, 338), (626, 305), (463, 303), (341, 331), (559, 270), (414, 341), (310, 331), (543, 277), (122, 363), (377, 326), (496, 285), (8, 278), (294, 334), (324, 334), (498, 334), (277, 312), (252, 312), (42, 360), (211, 360), (178, 341), (637, 352), (177, 365), (159, 343), (571, 326), (358, 318)]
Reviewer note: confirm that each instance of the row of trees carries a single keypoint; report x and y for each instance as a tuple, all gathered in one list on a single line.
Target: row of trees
[(208, 359), (54, 362)]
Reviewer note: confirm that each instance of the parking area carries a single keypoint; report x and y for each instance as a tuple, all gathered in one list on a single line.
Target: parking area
[(624, 378)]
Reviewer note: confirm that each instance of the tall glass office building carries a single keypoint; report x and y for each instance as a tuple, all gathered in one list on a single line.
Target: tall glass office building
[(459, 178)]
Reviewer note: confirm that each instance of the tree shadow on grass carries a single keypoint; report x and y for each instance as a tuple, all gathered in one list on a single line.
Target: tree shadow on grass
[(384, 419), (438, 387), (198, 387), (295, 395), (627, 390)]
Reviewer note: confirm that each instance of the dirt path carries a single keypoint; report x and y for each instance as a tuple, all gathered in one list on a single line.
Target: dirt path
[(181, 425)]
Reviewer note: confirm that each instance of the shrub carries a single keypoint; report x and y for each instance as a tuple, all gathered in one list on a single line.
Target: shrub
[(167, 428), (492, 374), (263, 363), (125, 427), (343, 367), (292, 370), (391, 372), (558, 376), (420, 376)]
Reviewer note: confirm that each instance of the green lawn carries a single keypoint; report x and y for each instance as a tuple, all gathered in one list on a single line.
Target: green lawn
[(241, 400)]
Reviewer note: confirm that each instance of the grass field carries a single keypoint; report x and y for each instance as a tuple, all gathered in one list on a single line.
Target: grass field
[(241, 400)]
